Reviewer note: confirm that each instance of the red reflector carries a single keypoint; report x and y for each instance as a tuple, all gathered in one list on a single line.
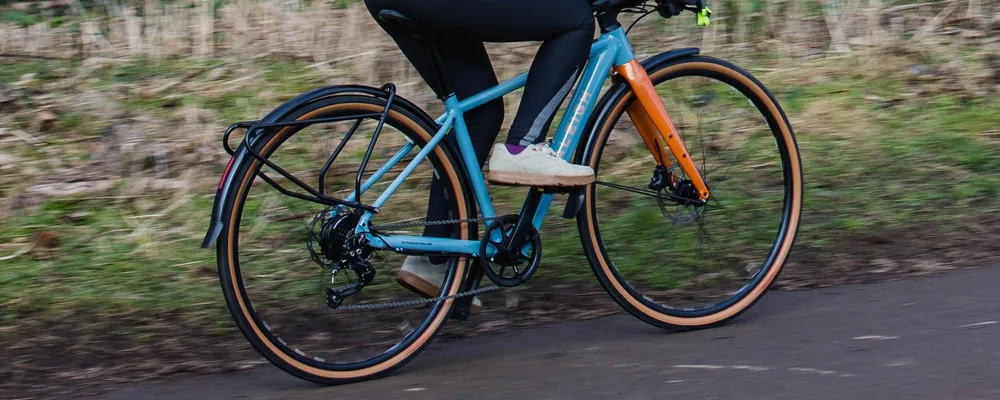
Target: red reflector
[(226, 172)]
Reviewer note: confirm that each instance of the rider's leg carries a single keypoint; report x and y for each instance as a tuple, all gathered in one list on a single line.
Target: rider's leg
[(566, 29), (565, 26), (525, 159), (469, 71)]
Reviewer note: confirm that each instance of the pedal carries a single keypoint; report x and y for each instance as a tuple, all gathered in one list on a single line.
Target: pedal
[(462, 306), (562, 189), (574, 204), (544, 189)]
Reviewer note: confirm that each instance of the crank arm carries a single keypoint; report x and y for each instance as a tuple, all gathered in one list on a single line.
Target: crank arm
[(525, 219)]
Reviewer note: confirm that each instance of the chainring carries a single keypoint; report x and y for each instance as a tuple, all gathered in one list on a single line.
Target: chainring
[(522, 263)]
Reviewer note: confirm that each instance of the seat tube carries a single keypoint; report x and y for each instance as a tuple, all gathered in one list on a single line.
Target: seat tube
[(468, 153)]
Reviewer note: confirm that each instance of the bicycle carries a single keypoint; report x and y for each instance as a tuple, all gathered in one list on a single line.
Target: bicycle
[(347, 236)]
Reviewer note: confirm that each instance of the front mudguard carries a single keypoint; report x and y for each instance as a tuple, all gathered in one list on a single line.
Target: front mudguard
[(241, 156)]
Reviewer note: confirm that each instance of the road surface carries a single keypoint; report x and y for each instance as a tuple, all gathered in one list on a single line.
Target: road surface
[(921, 338)]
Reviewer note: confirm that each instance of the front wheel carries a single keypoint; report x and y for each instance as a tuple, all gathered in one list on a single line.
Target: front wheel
[(677, 264)]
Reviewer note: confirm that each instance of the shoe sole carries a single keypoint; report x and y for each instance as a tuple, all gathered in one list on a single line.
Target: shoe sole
[(513, 178), (423, 288)]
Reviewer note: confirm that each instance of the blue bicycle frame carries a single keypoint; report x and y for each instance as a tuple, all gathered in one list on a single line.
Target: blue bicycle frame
[(609, 50)]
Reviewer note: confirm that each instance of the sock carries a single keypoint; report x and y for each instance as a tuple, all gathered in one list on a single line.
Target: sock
[(514, 149)]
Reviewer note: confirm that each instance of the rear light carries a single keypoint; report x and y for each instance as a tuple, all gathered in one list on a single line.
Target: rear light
[(226, 172)]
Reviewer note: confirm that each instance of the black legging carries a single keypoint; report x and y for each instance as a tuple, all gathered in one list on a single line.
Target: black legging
[(460, 27)]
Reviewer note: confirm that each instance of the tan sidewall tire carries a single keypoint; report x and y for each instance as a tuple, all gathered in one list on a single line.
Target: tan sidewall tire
[(602, 266), (235, 293)]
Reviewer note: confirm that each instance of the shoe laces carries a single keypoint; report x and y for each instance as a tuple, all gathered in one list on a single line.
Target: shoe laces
[(545, 150)]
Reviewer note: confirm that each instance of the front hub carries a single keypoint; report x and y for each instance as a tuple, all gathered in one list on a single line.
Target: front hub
[(685, 194)]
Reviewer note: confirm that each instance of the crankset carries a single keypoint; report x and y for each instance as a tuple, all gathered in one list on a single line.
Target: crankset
[(510, 266)]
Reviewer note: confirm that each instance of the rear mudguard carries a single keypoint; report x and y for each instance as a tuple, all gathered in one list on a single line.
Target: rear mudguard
[(603, 111), (240, 156)]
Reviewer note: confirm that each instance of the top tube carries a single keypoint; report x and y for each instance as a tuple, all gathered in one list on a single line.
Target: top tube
[(614, 40), (492, 93)]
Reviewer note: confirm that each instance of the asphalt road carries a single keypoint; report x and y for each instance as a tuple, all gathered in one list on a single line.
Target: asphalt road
[(921, 338)]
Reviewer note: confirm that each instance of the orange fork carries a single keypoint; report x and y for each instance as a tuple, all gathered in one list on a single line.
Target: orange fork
[(650, 117), (647, 130)]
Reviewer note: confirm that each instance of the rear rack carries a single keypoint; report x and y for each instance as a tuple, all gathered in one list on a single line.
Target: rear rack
[(254, 129)]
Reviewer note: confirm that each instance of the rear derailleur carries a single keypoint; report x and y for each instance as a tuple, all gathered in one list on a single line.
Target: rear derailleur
[(335, 247)]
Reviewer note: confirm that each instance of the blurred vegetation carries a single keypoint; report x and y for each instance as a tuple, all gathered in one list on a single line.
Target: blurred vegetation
[(112, 112)]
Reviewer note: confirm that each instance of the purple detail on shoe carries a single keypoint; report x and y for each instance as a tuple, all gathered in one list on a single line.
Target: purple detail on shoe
[(514, 149)]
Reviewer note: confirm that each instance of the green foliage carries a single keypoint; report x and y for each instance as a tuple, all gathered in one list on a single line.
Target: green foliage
[(20, 17)]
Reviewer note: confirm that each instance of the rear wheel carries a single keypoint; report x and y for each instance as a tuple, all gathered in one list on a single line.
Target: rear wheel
[(669, 262), (276, 292)]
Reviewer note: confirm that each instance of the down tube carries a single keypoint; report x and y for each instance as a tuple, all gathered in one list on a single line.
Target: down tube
[(572, 125)]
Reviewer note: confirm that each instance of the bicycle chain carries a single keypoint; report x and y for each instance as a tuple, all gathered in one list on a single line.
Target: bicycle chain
[(428, 223), (395, 304), (408, 303)]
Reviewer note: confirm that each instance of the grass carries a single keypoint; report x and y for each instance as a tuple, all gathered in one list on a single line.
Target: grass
[(107, 263), (868, 167)]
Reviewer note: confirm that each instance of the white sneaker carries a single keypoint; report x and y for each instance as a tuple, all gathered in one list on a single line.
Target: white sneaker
[(536, 165), (424, 278)]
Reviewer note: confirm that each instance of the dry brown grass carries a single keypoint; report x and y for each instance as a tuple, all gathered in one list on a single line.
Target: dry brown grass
[(348, 38), (131, 126)]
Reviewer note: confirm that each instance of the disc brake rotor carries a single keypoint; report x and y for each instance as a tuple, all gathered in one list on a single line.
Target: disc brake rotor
[(679, 211)]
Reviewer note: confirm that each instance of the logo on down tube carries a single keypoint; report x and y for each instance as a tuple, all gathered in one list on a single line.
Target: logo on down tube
[(575, 119)]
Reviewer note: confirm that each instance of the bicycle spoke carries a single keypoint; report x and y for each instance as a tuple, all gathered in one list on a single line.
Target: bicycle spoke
[(701, 138), (730, 116), (739, 159)]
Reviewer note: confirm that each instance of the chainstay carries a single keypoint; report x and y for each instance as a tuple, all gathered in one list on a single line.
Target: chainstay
[(428, 223), (408, 303)]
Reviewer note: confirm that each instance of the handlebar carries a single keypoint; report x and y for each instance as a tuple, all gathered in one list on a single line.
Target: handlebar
[(666, 8), (608, 5)]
